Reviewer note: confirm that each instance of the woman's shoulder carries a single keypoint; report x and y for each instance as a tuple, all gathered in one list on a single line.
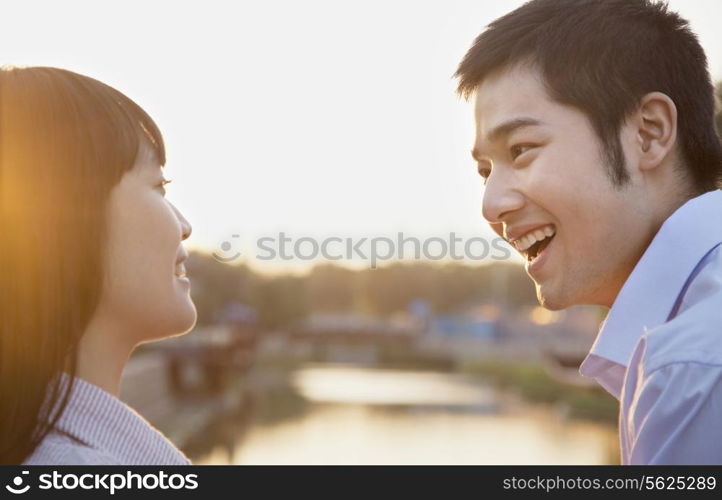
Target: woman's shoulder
[(61, 449), (96, 427)]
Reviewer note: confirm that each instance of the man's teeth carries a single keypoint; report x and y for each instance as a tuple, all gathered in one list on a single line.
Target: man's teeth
[(526, 241)]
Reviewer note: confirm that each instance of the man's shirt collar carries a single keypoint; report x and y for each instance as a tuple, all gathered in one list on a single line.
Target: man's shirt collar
[(649, 294)]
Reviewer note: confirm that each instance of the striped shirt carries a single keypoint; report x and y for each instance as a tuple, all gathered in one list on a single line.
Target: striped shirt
[(97, 428)]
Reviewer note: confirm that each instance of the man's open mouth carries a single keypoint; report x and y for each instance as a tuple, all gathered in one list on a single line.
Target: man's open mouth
[(533, 243), (537, 248)]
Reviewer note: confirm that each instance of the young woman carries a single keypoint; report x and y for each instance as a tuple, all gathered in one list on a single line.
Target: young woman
[(92, 265)]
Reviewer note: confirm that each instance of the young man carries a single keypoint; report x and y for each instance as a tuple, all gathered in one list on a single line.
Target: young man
[(597, 145)]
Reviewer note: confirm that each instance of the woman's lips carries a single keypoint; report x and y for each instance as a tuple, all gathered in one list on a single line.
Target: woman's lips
[(180, 270)]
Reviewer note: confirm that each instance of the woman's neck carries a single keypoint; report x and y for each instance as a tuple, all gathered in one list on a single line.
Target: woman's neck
[(102, 355)]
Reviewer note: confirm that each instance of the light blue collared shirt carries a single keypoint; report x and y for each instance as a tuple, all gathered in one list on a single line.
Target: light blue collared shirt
[(659, 350)]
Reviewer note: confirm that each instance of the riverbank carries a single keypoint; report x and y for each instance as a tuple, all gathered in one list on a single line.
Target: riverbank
[(322, 413), (269, 396), (532, 381)]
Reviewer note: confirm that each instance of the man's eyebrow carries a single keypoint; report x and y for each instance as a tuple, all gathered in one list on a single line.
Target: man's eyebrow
[(506, 128)]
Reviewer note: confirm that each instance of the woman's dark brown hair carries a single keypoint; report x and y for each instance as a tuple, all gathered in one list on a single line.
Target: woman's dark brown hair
[(65, 141)]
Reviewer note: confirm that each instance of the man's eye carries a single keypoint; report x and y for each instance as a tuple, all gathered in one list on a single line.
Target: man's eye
[(518, 149)]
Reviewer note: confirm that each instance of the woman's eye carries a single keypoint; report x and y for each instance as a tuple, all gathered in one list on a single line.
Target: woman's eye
[(518, 149), (162, 184)]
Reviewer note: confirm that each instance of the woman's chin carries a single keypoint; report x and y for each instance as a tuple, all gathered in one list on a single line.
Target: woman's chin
[(187, 318), (179, 320)]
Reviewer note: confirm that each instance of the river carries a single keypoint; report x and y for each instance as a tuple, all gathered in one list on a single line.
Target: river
[(358, 415)]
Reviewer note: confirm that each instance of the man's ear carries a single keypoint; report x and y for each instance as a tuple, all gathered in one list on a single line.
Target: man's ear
[(656, 129)]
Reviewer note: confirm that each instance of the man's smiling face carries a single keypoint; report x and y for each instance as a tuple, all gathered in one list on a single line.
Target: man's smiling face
[(547, 177)]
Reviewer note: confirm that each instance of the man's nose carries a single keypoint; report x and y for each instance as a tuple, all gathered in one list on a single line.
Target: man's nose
[(501, 198)]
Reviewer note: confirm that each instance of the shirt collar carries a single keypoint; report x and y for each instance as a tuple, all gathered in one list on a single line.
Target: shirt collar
[(103, 422), (648, 295)]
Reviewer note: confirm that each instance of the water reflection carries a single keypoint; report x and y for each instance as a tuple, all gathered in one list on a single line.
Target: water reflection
[(354, 385), (352, 415)]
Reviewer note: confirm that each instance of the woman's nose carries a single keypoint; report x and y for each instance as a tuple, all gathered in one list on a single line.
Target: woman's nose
[(186, 227)]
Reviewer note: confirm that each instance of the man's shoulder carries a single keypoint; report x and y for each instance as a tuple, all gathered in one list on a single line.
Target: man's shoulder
[(60, 449), (693, 336)]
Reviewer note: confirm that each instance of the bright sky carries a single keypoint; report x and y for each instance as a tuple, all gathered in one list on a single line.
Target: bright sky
[(317, 118)]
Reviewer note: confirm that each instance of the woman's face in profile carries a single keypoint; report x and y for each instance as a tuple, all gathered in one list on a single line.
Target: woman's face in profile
[(146, 286)]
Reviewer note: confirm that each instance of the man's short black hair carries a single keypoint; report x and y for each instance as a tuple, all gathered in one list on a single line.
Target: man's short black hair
[(602, 57)]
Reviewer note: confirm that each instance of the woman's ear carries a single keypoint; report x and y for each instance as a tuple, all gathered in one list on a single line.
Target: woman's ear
[(656, 129)]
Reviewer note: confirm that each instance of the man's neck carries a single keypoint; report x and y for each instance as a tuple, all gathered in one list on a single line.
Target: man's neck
[(671, 205)]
